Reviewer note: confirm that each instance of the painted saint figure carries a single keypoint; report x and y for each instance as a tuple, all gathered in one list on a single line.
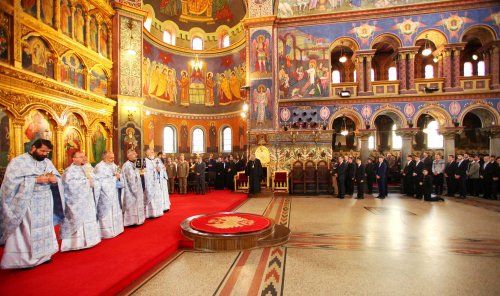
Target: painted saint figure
[(261, 98), (260, 47), (209, 90)]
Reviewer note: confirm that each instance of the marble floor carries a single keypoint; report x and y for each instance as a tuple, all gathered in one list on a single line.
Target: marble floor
[(395, 246)]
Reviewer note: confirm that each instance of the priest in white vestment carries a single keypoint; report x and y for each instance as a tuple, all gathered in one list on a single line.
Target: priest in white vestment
[(165, 197), (109, 213), (152, 193), (28, 206), (132, 194), (79, 229)]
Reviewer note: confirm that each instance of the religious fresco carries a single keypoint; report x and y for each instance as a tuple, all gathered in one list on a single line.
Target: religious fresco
[(184, 136), (262, 104), (294, 8), (47, 11), (72, 71), (79, 24), (4, 139), (37, 56), (206, 14), (5, 25), (130, 71), (131, 140), (103, 40), (260, 62), (66, 17), (98, 81), (36, 127), (29, 6), (98, 139), (93, 33), (73, 142), (178, 81)]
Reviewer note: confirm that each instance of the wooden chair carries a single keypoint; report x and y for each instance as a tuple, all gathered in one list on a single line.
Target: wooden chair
[(310, 179), (297, 185), (280, 181), (324, 177), (240, 182)]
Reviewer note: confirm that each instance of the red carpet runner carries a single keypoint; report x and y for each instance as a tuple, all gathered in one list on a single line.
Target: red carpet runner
[(113, 264), (230, 223)]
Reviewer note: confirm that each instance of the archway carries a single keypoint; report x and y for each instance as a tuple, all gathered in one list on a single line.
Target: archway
[(472, 56), (383, 139), (384, 59), (343, 136), (427, 137), (342, 65)]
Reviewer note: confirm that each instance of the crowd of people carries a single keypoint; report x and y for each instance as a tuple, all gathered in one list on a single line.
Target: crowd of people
[(93, 203)]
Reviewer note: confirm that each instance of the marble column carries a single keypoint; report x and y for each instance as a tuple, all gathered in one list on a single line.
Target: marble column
[(402, 72), (18, 124), (456, 70), (411, 74), (360, 75), (406, 135), (368, 75), (495, 140), (447, 72), (495, 67), (363, 136), (449, 139)]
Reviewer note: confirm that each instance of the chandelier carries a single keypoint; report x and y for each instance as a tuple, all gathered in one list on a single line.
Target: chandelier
[(344, 131)]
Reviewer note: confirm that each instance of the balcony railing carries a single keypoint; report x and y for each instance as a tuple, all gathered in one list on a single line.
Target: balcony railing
[(475, 83), (385, 87), (352, 87), (422, 83)]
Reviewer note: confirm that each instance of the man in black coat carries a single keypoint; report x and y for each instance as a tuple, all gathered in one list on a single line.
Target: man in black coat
[(341, 177), (381, 175), (461, 175), (486, 174), (220, 176), (408, 185), (427, 160), (254, 173), (230, 172), (360, 178), (417, 176), (496, 178), (449, 174), (199, 169), (350, 175), (370, 175)]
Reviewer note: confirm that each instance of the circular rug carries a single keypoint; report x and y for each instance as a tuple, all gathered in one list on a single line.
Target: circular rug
[(230, 223)]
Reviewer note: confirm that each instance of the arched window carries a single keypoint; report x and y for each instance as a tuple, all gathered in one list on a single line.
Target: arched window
[(169, 140), (227, 140), (397, 141), (371, 142), (393, 74), (198, 141), (434, 140), (225, 41), (167, 37), (481, 70), (373, 75), (336, 76), (468, 69), (429, 72), (354, 72), (197, 43)]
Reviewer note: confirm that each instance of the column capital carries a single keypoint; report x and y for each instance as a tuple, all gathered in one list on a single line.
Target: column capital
[(492, 131), (407, 132), (450, 132), (364, 134)]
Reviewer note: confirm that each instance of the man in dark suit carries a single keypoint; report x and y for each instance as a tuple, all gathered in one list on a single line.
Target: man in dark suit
[(427, 161), (199, 169), (220, 176), (408, 185), (461, 175), (360, 178), (381, 175), (449, 174), (486, 174), (341, 176), (496, 178), (370, 175), (350, 176), (230, 172), (211, 162), (417, 176)]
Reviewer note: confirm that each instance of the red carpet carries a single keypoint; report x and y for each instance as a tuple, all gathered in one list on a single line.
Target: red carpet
[(113, 264), (230, 223)]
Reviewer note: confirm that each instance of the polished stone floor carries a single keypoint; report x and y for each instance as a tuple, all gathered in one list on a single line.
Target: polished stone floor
[(396, 246)]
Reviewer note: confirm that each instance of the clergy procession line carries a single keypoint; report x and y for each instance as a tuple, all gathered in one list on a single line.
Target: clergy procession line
[(90, 204)]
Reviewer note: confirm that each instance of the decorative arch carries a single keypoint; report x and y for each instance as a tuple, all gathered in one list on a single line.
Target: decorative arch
[(42, 108), (484, 33), (393, 113), (353, 115), (438, 112), (68, 111), (487, 114), (389, 38), (435, 36), (345, 41), (73, 70)]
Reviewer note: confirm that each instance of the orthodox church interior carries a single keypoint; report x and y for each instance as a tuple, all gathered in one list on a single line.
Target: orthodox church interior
[(295, 82)]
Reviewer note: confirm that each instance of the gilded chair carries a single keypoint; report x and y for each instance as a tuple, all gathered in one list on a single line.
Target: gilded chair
[(280, 181), (240, 182)]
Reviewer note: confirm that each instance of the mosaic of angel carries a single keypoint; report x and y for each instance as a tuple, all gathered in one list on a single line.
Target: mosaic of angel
[(262, 103)]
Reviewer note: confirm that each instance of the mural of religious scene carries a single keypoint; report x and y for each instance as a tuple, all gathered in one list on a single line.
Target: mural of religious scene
[(180, 82), (98, 81), (260, 62), (131, 140), (94, 34), (37, 57), (66, 17), (303, 66), (29, 6), (36, 127), (79, 23), (72, 143), (208, 14), (184, 147), (4, 139), (291, 8), (103, 40), (72, 71), (98, 144), (47, 11), (262, 104), (4, 36)]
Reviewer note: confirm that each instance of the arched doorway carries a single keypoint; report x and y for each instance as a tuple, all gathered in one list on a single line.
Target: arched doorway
[(383, 125), (473, 137), (428, 137), (343, 137)]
